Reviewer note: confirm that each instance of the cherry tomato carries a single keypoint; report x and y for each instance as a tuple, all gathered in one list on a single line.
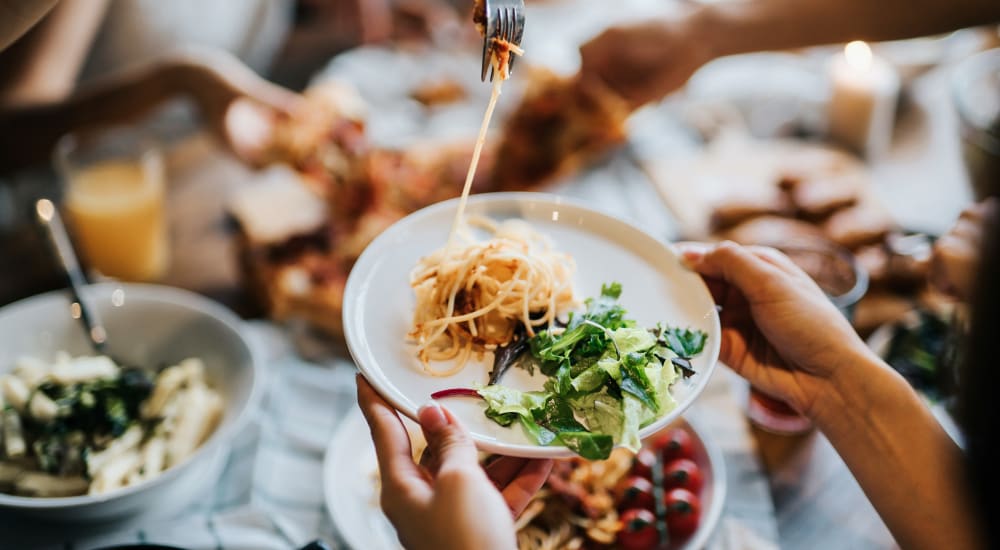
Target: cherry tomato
[(638, 530), (643, 463), (673, 444), (683, 473), (683, 512), (635, 492)]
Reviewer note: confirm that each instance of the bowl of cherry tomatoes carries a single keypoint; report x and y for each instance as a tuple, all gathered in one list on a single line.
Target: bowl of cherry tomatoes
[(673, 495)]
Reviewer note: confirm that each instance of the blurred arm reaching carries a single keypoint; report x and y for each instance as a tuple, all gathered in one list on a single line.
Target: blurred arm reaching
[(644, 62), (214, 81)]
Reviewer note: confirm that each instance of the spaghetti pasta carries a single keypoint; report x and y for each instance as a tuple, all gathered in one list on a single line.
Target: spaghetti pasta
[(473, 296)]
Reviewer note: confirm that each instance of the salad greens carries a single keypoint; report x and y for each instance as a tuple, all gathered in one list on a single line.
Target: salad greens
[(607, 378)]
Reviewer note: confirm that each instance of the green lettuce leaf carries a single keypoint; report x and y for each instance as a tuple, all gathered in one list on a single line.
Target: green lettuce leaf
[(633, 412), (557, 415), (591, 446), (501, 400), (541, 435), (590, 380), (660, 378), (602, 413), (630, 340)]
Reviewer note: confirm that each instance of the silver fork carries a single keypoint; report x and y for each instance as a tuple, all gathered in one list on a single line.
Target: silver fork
[(504, 21)]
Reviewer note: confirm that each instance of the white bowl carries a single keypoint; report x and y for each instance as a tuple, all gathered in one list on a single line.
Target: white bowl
[(147, 325), (378, 306)]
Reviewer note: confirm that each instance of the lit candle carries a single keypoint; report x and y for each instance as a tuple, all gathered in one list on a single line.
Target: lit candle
[(862, 105)]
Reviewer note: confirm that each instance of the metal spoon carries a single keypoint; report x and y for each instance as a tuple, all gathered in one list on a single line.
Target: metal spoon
[(80, 309)]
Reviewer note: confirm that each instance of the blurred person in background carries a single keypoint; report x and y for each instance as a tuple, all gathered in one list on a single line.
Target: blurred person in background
[(170, 67), (646, 61), (101, 62), (779, 330)]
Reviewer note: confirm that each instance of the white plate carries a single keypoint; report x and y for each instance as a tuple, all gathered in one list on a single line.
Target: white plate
[(350, 470), (378, 305)]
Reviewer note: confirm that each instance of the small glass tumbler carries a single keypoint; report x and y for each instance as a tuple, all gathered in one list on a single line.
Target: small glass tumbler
[(114, 199)]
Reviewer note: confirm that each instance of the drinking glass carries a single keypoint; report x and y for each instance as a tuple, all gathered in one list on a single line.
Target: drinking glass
[(114, 199)]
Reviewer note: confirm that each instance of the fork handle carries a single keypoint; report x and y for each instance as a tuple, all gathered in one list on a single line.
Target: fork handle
[(55, 230)]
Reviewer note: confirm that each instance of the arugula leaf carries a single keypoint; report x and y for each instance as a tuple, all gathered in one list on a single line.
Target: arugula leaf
[(548, 347), (504, 419), (560, 381), (604, 310), (614, 290), (589, 445), (557, 415), (635, 381), (684, 365), (684, 342), (591, 345), (632, 387)]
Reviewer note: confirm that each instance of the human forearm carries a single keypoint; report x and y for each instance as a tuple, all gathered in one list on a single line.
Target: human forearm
[(742, 27), (211, 80), (909, 468), (45, 64)]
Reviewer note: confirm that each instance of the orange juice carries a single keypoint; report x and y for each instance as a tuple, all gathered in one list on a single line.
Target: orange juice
[(116, 208)]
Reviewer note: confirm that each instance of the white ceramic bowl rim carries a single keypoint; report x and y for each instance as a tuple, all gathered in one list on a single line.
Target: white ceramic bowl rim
[(224, 432)]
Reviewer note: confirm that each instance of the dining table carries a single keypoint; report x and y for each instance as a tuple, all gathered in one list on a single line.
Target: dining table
[(797, 492), (815, 501)]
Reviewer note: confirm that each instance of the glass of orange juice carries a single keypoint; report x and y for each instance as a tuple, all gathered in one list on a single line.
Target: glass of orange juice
[(114, 198)]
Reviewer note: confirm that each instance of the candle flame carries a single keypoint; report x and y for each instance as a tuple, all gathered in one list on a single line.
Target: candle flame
[(858, 54)]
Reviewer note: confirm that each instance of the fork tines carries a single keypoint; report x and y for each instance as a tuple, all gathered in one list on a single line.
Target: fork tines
[(504, 21)]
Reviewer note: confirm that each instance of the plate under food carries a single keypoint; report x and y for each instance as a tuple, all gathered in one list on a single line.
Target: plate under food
[(350, 486), (378, 306)]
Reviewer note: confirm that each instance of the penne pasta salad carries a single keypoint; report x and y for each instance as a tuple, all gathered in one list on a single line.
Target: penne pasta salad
[(85, 425)]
